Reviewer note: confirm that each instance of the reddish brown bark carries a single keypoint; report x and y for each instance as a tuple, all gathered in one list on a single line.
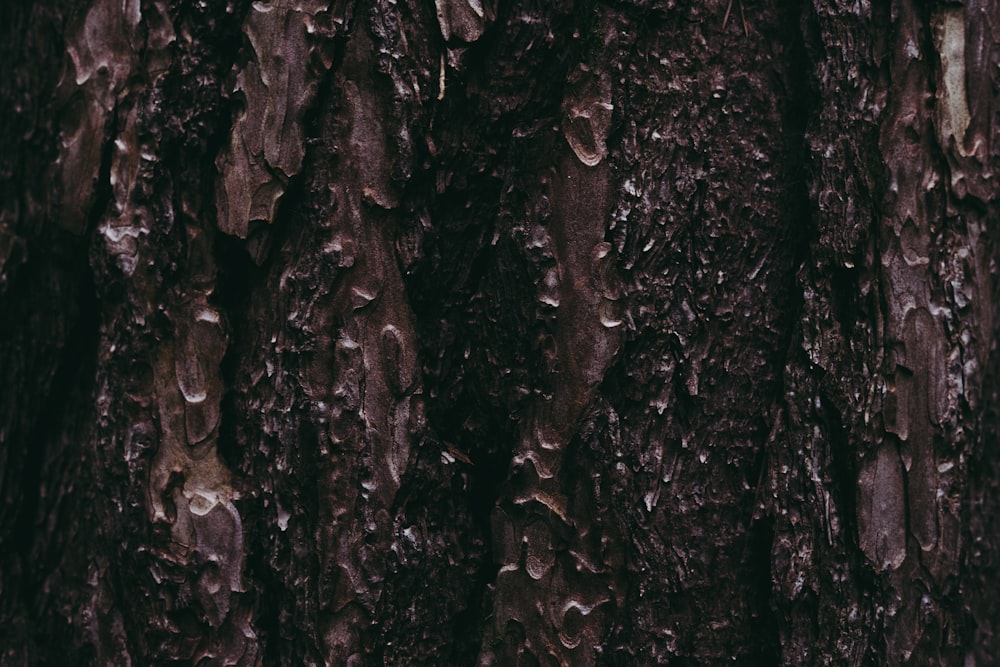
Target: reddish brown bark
[(498, 333)]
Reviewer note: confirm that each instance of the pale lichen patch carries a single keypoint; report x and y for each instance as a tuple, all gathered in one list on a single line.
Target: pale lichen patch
[(953, 101)]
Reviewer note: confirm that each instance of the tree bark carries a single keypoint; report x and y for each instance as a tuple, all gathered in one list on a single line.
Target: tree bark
[(496, 333)]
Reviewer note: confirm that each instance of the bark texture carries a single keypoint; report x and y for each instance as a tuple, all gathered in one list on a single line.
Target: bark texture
[(499, 333)]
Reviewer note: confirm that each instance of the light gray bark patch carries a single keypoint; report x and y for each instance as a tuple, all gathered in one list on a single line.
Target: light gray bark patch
[(964, 37), (465, 20), (952, 96), (882, 509)]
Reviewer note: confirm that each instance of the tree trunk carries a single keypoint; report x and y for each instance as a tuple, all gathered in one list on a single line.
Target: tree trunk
[(491, 333)]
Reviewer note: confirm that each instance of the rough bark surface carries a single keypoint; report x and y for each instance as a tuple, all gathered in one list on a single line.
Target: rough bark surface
[(479, 332)]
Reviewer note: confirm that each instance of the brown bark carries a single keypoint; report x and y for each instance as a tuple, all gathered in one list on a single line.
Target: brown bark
[(498, 333)]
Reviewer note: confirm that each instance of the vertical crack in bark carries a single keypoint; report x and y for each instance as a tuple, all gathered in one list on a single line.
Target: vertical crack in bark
[(828, 382), (54, 460), (800, 105)]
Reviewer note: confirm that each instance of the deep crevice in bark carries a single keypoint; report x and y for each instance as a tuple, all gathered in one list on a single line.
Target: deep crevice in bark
[(238, 279), (843, 485), (801, 105)]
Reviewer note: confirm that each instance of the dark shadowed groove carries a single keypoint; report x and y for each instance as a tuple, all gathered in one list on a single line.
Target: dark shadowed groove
[(83, 322), (764, 622), (474, 275), (237, 279), (71, 384), (53, 438), (800, 108), (982, 559)]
